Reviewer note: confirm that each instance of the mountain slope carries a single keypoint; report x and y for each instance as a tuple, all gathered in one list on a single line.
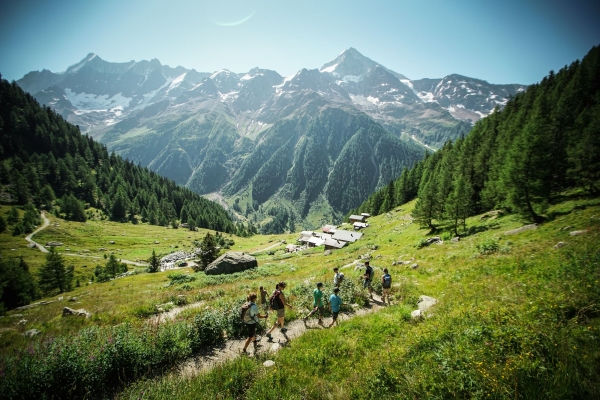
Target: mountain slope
[(246, 134)]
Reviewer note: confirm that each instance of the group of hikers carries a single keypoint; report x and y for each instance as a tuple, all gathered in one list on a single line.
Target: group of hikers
[(251, 313)]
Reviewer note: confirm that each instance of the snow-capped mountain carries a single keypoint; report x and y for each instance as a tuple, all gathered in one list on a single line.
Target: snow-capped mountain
[(293, 140)]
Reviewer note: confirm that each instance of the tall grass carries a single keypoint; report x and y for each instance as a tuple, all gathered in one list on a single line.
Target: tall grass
[(508, 329)]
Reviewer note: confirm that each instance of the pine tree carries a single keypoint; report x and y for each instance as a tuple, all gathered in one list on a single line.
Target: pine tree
[(153, 263), (17, 286), (2, 224), (53, 274), (388, 198), (114, 267), (459, 203), (208, 251), (527, 173), (13, 216)]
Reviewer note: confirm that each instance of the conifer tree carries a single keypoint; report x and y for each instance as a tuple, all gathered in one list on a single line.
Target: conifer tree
[(459, 203), (53, 275), (2, 224), (114, 267), (527, 173), (17, 286), (13, 216), (153, 263), (208, 250)]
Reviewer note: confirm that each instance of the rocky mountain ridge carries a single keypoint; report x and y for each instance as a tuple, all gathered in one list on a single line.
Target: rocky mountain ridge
[(316, 143)]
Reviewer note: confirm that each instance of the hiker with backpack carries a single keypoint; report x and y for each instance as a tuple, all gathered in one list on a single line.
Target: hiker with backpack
[(250, 314), (368, 278), (335, 303), (386, 284), (338, 277), (277, 303), (263, 300), (317, 304)]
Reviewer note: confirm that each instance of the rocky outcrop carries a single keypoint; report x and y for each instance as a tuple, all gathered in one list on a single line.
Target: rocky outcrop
[(577, 233), (521, 229), (424, 304), (32, 333), (77, 313), (231, 262)]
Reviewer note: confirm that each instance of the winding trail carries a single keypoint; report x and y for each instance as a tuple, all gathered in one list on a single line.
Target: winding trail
[(45, 250), (44, 226), (213, 356)]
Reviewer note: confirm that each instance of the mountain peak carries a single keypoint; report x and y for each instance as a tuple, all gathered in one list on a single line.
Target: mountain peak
[(351, 62)]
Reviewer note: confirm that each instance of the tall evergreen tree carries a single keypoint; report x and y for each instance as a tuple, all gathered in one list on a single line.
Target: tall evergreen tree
[(208, 250), (17, 286), (53, 275), (153, 263)]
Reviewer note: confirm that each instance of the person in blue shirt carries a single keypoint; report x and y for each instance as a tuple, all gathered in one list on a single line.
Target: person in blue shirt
[(335, 302)]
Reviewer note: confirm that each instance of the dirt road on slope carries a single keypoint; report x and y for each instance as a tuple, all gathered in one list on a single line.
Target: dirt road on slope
[(44, 226)]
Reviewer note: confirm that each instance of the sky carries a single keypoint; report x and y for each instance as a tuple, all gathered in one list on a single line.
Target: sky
[(508, 41)]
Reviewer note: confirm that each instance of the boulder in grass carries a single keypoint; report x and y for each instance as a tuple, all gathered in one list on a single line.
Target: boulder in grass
[(31, 333), (231, 262), (577, 233), (425, 303), (77, 313), (521, 229)]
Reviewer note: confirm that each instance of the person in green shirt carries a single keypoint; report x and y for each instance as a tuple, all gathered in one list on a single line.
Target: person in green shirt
[(317, 303)]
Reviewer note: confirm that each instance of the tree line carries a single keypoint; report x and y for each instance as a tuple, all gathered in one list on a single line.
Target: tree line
[(45, 160), (544, 142)]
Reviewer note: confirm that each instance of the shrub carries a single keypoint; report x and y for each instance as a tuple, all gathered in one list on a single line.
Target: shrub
[(489, 246)]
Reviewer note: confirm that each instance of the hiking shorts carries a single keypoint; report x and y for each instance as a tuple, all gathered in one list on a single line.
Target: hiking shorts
[(320, 309), (367, 283), (386, 291), (335, 314), (251, 328), (281, 313)]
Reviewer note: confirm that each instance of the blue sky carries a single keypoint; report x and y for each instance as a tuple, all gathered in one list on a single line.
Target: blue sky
[(507, 41)]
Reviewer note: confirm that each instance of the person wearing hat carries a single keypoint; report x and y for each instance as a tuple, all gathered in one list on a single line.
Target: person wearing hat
[(317, 303)]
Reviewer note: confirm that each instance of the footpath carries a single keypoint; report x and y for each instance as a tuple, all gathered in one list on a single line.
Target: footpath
[(213, 356)]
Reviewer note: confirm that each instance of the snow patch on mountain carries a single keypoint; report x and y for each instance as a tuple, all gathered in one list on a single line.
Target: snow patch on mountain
[(91, 102), (177, 81)]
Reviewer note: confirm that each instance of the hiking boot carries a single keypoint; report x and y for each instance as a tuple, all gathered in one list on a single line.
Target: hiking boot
[(320, 322), (269, 336), (283, 330), (305, 319)]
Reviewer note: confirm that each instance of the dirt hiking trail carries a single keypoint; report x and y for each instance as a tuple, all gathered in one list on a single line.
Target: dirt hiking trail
[(213, 356)]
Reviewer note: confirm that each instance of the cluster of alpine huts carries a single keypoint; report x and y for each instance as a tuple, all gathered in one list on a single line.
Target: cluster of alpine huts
[(331, 237)]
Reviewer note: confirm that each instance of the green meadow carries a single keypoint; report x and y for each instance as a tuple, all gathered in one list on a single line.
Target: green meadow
[(516, 317)]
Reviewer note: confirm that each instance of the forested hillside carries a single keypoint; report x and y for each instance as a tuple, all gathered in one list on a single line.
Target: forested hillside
[(43, 158), (545, 141)]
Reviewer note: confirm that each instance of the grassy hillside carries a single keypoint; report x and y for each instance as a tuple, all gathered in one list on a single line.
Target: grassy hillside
[(515, 318)]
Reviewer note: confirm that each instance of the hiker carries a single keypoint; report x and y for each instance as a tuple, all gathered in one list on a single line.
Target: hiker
[(368, 278), (337, 277), (263, 300), (386, 284), (250, 315), (335, 302), (277, 303), (317, 304)]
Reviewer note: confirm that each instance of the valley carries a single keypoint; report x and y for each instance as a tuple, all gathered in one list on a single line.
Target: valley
[(231, 132)]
